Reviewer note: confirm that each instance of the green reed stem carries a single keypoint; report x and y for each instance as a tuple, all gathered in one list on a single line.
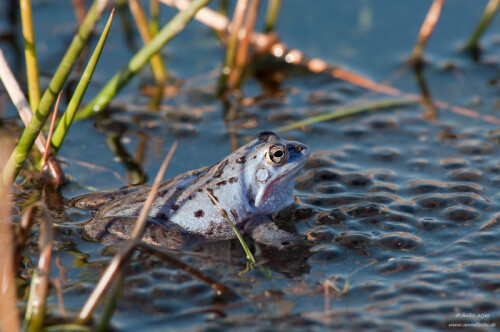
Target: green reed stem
[(175, 26), (30, 54), (30, 133), (154, 11), (488, 14), (250, 258), (273, 9), (347, 112), (68, 116)]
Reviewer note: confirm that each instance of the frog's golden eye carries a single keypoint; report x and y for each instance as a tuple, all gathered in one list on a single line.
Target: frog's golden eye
[(277, 155)]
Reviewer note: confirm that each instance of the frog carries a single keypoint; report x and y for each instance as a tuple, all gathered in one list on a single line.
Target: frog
[(251, 185)]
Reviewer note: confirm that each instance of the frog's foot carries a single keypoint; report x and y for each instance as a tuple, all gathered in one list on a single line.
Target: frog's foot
[(113, 229), (267, 233), (93, 201)]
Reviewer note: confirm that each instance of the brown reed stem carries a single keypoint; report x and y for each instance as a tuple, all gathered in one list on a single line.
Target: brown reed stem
[(244, 44), (426, 30), (51, 131)]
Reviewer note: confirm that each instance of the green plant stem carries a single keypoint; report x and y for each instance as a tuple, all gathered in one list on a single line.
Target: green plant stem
[(489, 12), (154, 10), (250, 258), (68, 116), (30, 54), (347, 112), (140, 59), (30, 133), (273, 9)]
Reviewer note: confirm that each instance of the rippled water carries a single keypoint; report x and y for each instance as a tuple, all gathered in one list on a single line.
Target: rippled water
[(399, 211)]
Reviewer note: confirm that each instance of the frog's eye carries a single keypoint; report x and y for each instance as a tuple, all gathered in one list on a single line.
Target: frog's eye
[(277, 155)]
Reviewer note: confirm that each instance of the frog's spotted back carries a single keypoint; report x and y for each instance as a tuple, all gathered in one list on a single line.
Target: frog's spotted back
[(254, 181)]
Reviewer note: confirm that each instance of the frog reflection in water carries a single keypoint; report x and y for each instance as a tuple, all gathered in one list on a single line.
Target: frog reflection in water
[(251, 184)]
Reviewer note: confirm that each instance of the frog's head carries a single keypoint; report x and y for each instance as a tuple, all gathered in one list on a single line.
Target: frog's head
[(271, 164)]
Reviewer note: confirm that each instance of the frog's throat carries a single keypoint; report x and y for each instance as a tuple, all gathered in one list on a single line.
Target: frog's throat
[(263, 195)]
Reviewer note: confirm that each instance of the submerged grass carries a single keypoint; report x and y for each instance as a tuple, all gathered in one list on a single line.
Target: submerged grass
[(348, 111)]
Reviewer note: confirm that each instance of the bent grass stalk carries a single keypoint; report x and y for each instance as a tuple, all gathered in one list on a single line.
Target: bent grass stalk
[(347, 112), (68, 116), (223, 212), (30, 133), (122, 256), (175, 26)]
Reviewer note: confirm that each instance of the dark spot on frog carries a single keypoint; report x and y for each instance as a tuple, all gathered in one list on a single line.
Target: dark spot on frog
[(241, 160), (190, 197), (175, 207), (199, 214), (267, 136), (234, 214), (211, 227), (220, 168), (233, 179), (254, 157), (297, 148), (249, 196), (221, 183)]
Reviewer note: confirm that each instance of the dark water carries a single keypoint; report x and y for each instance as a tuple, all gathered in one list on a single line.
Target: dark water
[(399, 211)]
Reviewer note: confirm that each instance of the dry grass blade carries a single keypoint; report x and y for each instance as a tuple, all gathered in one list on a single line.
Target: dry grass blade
[(51, 131), (243, 46), (22, 106), (120, 258), (426, 30), (35, 312), (9, 317)]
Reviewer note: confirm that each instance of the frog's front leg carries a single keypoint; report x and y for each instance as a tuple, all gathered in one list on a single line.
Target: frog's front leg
[(112, 229), (265, 231)]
